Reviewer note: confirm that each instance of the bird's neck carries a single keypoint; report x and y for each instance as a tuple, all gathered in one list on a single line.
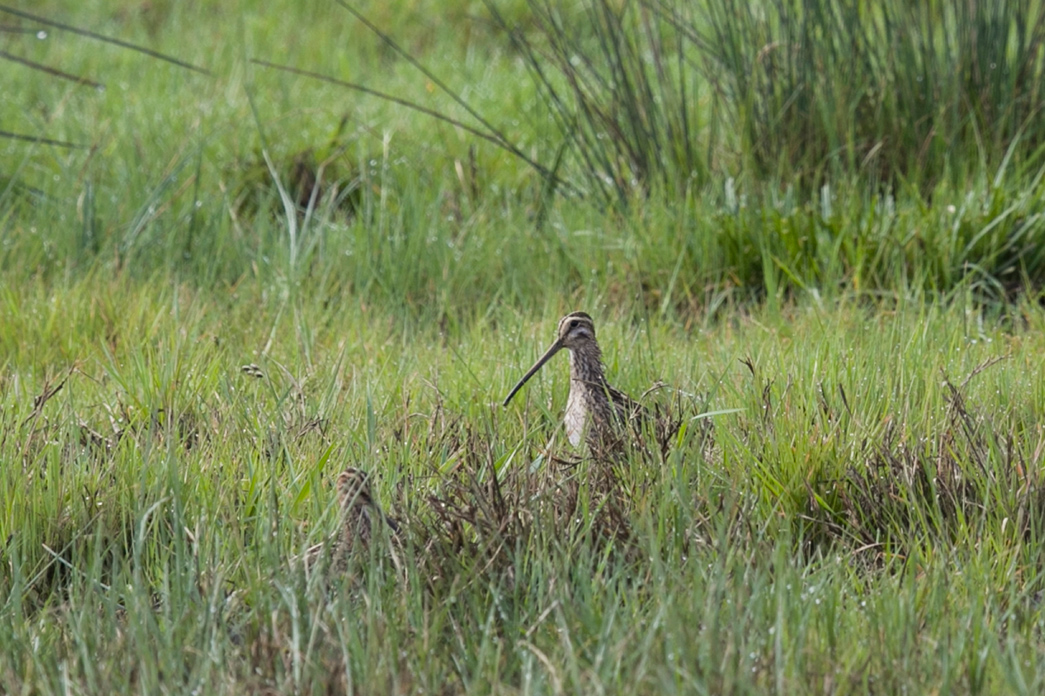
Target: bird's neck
[(356, 505), (586, 366)]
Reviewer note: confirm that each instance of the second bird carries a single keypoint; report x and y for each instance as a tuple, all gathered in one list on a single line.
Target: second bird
[(595, 411)]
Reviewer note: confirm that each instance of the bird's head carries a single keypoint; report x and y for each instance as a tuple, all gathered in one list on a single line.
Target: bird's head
[(576, 332)]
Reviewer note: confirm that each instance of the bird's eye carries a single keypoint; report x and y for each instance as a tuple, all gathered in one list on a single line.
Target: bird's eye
[(573, 324)]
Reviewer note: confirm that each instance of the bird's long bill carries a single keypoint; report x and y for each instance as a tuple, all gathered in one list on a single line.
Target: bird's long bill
[(555, 348)]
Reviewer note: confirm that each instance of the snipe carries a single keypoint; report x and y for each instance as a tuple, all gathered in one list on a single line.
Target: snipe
[(361, 512), (362, 519), (595, 411)]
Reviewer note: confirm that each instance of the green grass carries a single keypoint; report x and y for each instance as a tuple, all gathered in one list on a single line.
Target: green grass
[(869, 520), (173, 489)]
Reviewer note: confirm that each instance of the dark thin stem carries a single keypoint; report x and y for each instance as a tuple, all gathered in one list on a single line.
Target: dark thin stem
[(424, 71), (496, 139), (100, 37), (9, 29), (42, 141), (54, 72)]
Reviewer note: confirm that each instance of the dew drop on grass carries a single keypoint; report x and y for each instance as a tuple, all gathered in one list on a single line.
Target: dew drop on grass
[(41, 34)]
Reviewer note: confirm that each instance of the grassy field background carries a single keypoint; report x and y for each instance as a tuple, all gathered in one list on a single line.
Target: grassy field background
[(850, 296)]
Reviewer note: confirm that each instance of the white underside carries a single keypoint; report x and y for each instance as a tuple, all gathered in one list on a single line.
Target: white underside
[(575, 412)]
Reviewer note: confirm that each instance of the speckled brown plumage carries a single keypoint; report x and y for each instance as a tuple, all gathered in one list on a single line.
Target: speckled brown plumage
[(358, 508), (361, 518)]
